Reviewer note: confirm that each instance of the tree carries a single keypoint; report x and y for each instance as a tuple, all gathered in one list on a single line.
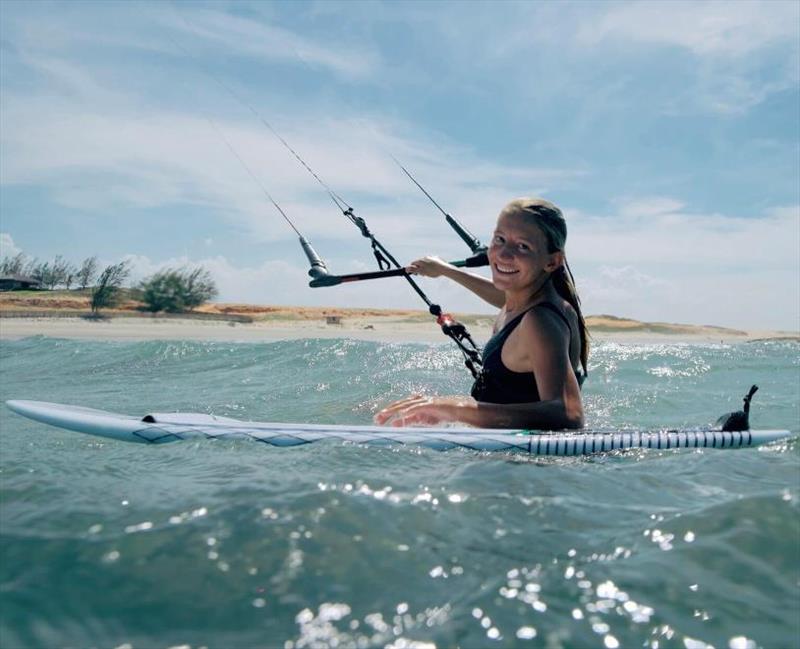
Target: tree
[(29, 269), (86, 272), (63, 272), (13, 265), (175, 291), (42, 272), (200, 288), (106, 292), (69, 278)]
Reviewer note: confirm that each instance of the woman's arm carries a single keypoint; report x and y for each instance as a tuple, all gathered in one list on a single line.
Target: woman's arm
[(560, 406), (482, 287), (431, 411)]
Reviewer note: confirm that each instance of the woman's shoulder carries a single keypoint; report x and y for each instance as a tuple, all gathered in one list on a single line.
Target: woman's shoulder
[(554, 310), (548, 319)]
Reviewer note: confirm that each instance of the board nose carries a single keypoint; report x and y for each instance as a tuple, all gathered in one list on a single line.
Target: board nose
[(18, 405)]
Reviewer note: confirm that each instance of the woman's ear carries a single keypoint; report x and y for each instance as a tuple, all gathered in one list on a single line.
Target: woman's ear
[(555, 262)]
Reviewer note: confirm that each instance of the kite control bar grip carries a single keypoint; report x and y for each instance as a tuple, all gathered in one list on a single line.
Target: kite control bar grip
[(321, 277), (478, 259)]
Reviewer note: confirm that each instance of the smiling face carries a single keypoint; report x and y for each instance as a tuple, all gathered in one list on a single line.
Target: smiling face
[(518, 253)]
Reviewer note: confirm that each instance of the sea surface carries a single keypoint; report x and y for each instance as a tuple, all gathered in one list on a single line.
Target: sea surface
[(233, 544)]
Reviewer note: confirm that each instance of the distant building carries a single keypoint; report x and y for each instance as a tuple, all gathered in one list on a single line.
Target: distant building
[(18, 282)]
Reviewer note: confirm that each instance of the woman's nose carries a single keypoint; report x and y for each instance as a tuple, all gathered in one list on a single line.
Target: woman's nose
[(505, 250)]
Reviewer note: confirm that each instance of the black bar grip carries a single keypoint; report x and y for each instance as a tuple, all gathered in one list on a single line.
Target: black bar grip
[(480, 259)]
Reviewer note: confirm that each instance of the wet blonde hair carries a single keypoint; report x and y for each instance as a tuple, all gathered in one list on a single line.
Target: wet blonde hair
[(549, 219)]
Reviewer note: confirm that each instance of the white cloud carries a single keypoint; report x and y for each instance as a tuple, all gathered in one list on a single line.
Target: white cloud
[(235, 35), (71, 80), (119, 158), (704, 28), (741, 53), (685, 239), (7, 246), (648, 207), (200, 30), (694, 268), (621, 283)]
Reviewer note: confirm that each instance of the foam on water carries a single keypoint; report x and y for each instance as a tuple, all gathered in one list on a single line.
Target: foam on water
[(231, 544)]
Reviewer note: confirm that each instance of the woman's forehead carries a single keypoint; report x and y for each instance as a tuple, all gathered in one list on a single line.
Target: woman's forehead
[(518, 224)]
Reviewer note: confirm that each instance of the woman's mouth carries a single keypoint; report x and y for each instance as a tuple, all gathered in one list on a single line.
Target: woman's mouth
[(505, 270)]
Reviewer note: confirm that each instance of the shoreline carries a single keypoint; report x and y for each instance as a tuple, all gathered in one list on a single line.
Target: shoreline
[(378, 329)]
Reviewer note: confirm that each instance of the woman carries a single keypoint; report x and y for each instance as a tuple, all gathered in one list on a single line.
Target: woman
[(536, 360)]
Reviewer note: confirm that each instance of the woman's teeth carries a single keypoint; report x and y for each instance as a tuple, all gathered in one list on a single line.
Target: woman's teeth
[(504, 270)]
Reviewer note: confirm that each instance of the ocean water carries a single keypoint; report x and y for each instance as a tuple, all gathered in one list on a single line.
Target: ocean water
[(232, 544)]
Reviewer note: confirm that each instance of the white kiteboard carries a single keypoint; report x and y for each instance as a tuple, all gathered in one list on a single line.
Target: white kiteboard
[(159, 428)]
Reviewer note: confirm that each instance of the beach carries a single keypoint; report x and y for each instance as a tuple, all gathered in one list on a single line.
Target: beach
[(381, 328), (66, 314)]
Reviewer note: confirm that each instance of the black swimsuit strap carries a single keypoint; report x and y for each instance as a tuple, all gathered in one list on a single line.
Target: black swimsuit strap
[(552, 307), (509, 326)]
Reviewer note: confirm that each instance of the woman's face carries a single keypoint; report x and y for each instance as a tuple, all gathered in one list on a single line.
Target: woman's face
[(518, 253)]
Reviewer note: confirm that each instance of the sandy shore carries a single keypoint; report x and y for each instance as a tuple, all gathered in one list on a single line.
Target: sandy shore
[(376, 329)]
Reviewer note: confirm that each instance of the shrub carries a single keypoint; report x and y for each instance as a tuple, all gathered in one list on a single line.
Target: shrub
[(176, 291), (108, 284)]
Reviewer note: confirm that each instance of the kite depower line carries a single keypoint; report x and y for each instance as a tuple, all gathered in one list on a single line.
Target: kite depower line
[(321, 276), (387, 264)]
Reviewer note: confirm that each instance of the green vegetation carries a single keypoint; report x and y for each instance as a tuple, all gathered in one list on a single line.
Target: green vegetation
[(50, 274), (106, 292), (177, 291), (170, 290), (86, 273)]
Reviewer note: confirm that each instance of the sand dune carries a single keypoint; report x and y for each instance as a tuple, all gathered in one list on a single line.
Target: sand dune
[(63, 314)]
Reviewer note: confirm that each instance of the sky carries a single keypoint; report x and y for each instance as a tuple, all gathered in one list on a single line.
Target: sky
[(668, 133)]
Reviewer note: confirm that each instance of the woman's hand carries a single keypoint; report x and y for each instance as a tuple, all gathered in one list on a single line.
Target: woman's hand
[(418, 410), (428, 267), (481, 286)]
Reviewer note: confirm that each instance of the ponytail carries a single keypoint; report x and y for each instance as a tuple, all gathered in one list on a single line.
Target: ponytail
[(564, 283)]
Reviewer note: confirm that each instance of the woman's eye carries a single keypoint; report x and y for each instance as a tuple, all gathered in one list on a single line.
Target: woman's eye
[(524, 247), (497, 239)]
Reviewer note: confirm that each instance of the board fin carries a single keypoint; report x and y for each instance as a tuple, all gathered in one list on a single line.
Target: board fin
[(740, 420)]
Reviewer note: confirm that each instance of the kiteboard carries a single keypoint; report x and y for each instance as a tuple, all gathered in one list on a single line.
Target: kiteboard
[(159, 428)]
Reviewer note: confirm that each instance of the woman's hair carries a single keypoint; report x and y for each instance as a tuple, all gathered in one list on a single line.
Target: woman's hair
[(551, 222)]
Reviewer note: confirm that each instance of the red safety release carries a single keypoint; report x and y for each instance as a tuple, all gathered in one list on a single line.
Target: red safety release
[(445, 319)]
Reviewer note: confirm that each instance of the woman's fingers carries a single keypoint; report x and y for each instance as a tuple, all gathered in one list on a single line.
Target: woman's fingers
[(424, 411), (384, 415), (427, 267), (412, 411), (423, 415)]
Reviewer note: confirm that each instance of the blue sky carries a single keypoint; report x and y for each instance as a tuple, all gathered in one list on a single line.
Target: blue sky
[(668, 132)]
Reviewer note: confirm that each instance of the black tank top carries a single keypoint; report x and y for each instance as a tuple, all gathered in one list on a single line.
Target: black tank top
[(498, 384)]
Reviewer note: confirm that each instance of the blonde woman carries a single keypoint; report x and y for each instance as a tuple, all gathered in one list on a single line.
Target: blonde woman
[(535, 363)]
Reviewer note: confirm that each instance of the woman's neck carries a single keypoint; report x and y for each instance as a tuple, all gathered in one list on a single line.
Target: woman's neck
[(517, 302)]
